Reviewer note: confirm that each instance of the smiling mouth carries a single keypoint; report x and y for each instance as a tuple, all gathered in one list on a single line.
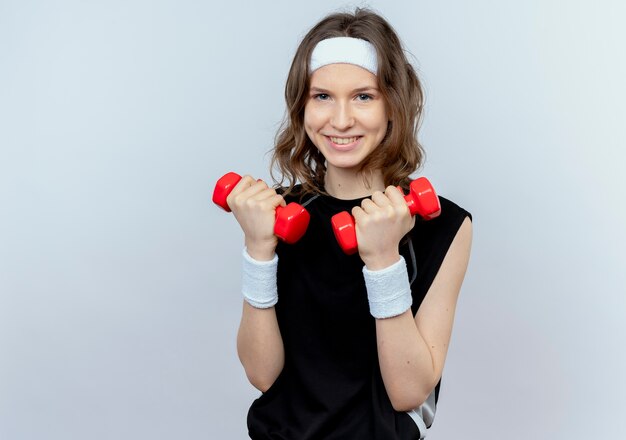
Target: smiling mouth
[(343, 141), (343, 144)]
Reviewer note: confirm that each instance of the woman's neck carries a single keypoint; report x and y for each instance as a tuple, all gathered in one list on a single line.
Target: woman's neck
[(346, 184)]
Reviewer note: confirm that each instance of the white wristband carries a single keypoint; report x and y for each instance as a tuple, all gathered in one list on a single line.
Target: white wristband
[(388, 290), (259, 281)]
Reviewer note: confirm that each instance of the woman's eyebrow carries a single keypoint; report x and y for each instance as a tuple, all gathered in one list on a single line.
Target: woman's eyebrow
[(357, 90)]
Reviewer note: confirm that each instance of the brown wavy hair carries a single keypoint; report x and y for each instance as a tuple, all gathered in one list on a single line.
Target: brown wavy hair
[(399, 153)]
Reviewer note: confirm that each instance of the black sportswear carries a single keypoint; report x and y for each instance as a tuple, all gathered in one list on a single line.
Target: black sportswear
[(331, 386)]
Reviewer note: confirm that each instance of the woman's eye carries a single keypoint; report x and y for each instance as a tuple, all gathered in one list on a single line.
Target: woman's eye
[(321, 96), (364, 97)]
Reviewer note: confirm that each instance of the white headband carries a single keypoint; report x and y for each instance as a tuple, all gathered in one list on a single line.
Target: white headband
[(344, 50)]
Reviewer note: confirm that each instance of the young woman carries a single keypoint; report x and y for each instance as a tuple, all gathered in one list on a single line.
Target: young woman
[(348, 346)]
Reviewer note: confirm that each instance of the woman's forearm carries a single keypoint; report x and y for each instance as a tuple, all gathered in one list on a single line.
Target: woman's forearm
[(260, 346), (406, 363)]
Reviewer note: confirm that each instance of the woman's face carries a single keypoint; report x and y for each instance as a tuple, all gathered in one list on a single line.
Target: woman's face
[(345, 115)]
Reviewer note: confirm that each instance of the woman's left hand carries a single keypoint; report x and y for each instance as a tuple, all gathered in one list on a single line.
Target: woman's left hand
[(381, 222)]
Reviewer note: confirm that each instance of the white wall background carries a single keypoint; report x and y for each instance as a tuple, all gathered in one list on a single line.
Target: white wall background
[(119, 280)]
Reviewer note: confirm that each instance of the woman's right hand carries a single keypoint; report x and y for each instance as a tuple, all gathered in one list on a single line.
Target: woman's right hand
[(254, 205)]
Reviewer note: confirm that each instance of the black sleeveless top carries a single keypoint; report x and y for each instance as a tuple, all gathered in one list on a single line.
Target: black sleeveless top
[(331, 386)]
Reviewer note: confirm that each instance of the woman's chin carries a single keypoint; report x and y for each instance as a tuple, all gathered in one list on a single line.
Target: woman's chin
[(343, 165)]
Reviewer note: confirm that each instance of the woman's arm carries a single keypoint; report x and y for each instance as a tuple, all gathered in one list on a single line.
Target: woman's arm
[(259, 343), (412, 352)]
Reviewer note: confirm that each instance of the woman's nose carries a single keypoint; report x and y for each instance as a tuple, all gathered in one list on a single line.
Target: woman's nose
[(342, 118)]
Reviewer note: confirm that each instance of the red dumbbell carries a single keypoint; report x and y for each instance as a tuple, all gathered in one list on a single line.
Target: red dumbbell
[(291, 220), (421, 200)]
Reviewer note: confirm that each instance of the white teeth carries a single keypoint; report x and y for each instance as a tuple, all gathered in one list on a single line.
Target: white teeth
[(343, 141)]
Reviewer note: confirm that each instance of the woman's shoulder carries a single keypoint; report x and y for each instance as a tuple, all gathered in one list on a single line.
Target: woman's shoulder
[(289, 193), (429, 243), (442, 229), (297, 193), (451, 210)]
